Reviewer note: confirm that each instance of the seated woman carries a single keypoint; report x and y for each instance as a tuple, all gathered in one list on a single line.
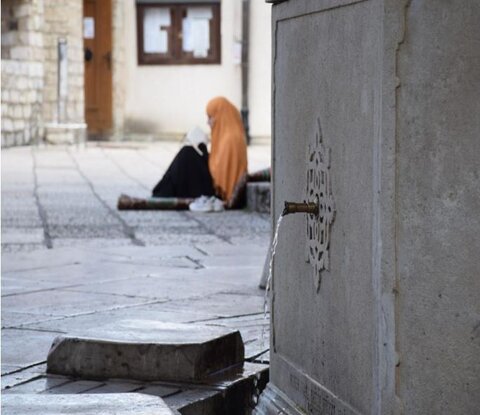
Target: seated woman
[(228, 154), (194, 173), (188, 175)]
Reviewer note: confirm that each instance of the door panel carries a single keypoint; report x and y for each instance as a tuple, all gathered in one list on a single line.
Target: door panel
[(98, 65)]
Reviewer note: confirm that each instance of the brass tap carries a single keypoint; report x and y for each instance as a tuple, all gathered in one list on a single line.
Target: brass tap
[(305, 207)]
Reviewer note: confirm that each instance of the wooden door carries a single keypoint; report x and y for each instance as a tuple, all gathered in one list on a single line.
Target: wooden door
[(97, 33)]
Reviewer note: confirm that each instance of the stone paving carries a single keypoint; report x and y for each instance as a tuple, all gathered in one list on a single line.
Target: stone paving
[(71, 261)]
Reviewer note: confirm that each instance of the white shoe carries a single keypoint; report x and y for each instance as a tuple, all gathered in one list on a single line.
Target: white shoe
[(217, 204), (201, 204), (207, 204)]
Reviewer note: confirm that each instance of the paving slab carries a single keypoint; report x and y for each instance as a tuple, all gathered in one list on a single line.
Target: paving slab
[(86, 404), (197, 401), (166, 288), (233, 222), (91, 243), (160, 262), (9, 380), (6, 369), (84, 231), (75, 386), (223, 249), (77, 196), (156, 237), (154, 311), (87, 219), (146, 350), (62, 302), (25, 347), (20, 217), (235, 260), (22, 235), (222, 304), (47, 259), (149, 254), (238, 276), (101, 270), (42, 384), (160, 390), (12, 285), (20, 248), (255, 240), (117, 387), (17, 196), (156, 217), (13, 319), (88, 256)]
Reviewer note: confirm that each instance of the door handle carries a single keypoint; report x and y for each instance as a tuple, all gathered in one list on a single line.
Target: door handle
[(88, 55)]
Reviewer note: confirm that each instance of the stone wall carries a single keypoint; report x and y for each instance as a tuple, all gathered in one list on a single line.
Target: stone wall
[(31, 30), (323, 346), (375, 115), (118, 65), (438, 202), (63, 20), (22, 71), (260, 69)]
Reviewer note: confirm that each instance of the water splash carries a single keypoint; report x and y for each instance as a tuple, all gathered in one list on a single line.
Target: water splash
[(269, 279)]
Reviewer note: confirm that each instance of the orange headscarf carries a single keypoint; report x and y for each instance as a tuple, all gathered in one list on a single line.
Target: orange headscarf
[(228, 153)]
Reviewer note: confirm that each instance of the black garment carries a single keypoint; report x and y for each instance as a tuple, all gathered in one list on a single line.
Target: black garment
[(187, 176)]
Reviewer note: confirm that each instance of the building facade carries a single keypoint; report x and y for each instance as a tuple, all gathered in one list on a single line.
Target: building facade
[(130, 69)]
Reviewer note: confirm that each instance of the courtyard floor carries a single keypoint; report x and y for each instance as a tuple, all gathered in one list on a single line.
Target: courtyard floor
[(71, 260)]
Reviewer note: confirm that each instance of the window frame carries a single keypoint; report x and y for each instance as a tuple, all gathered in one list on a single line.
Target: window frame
[(176, 56)]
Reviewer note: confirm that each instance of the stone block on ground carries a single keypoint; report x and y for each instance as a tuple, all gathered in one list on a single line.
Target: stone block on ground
[(233, 392), (65, 133), (258, 197), (146, 350), (86, 404)]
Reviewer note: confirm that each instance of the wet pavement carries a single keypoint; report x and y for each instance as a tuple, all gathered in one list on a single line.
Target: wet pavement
[(72, 262)]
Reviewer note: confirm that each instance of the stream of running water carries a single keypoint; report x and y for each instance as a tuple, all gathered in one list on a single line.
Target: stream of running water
[(269, 279)]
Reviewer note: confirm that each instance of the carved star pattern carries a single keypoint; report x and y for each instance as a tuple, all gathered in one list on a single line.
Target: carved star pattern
[(319, 189)]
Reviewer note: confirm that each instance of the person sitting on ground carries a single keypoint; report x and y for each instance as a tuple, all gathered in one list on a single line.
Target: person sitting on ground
[(188, 176), (228, 155)]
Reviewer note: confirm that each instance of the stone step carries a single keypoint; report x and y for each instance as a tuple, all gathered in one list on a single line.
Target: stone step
[(85, 404), (146, 350), (258, 197), (233, 392)]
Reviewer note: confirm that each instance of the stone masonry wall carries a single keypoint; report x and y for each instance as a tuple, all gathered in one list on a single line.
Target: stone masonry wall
[(63, 20), (118, 65), (22, 71)]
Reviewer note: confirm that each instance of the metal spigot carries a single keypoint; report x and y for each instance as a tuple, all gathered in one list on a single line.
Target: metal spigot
[(305, 207)]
